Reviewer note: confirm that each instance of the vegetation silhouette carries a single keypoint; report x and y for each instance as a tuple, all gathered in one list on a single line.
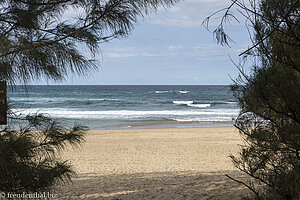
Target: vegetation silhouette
[(269, 120), (51, 39)]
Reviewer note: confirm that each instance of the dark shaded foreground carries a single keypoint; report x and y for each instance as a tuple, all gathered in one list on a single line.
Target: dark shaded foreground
[(160, 186)]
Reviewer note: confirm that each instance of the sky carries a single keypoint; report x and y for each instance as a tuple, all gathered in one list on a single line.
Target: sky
[(170, 47)]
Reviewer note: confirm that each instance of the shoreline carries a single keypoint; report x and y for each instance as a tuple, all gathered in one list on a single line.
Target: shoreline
[(162, 127), (162, 124)]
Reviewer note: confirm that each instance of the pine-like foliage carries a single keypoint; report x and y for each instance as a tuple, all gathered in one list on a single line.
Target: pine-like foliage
[(42, 38), (269, 125), (51, 39), (269, 98), (270, 104), (28, 157)]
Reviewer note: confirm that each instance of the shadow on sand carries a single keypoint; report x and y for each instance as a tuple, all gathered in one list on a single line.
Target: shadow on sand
[(159, 186)]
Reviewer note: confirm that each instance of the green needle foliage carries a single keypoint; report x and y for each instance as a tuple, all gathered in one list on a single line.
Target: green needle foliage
[(51, 39), (42, 38), (269, 98), (28, 157)]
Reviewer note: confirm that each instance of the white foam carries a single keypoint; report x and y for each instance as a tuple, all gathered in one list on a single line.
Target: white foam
[(204, 119), (37, 99), (131, 114), (56, 99), (227, 102), (161, 92), (232, 102), (183, 102), (191, 104), (183, 91), (199, 105), (95, 99)]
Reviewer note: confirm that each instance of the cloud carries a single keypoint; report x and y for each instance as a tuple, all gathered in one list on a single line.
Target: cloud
[(120, 55), (175, 47), (126, 52), (189, 13), (203, 52)]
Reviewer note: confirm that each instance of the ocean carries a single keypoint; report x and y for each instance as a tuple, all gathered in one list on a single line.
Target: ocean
[(132, 106)]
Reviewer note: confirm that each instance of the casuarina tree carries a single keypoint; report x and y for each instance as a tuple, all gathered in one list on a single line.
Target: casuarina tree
[(269, 120), (51, 39)]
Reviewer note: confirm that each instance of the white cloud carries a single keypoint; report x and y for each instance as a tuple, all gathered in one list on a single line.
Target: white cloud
[(120, 55), (175, 47), (189, 13), (130, 52), (205, 51)]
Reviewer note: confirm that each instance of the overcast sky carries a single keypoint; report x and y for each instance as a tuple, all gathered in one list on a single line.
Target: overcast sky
[(170, 48)]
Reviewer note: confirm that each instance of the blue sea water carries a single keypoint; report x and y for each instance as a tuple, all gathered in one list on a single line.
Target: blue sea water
[(104, 107)]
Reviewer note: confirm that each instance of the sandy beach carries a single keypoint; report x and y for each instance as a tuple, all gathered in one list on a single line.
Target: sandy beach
[(162, 164)]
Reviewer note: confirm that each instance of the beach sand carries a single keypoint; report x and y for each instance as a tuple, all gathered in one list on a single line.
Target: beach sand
[(162, 164)]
